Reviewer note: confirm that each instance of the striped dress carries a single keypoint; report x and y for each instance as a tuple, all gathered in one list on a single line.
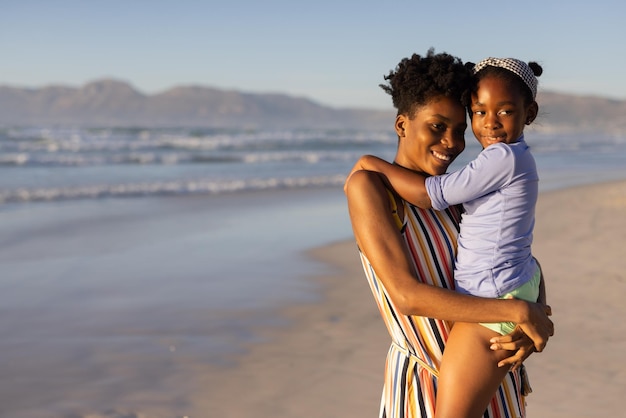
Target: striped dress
[(417, 343)]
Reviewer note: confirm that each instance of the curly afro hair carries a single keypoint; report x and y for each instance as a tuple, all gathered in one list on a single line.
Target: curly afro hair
[(418, 80)]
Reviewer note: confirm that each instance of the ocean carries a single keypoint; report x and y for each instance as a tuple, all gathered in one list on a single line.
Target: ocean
[(148, 241), (56, 164)]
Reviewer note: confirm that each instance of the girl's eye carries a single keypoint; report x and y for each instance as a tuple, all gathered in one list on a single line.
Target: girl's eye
[(479, 112), (505, 112), (439, 126)]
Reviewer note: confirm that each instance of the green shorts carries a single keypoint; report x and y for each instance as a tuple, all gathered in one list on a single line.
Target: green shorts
[(528, 291)]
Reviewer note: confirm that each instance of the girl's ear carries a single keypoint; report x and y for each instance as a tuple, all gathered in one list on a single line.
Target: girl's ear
[(400, 122), (531, 113)]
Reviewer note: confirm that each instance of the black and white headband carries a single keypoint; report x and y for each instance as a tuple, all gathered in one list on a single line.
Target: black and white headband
[(520, 68)]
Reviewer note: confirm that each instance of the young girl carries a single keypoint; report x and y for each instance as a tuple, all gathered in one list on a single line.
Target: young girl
[(499, 191)]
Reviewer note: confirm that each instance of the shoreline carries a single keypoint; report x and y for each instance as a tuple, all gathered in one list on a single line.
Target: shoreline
[(329, 359)]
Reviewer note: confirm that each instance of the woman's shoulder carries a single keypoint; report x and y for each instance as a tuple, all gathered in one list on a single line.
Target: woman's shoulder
[(367, 186), (363, 180), (367, 193)]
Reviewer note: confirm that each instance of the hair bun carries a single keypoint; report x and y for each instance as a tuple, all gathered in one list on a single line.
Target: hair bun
[(537, 69)]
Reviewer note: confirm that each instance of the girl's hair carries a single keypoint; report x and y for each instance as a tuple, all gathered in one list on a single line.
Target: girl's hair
[(418, 80), (508, 76)]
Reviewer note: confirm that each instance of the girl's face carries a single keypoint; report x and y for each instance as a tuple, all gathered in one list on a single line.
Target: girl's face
[(433, 137), (498, 112)]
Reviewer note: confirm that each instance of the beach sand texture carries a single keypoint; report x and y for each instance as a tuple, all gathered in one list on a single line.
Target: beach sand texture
[(329, 363), (327, 358)]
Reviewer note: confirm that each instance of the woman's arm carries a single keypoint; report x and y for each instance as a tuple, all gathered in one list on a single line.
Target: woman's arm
[(408, 184), (380, 241)]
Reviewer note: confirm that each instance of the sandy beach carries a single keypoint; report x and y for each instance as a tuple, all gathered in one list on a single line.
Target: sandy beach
[(329, 362), (136, 343)]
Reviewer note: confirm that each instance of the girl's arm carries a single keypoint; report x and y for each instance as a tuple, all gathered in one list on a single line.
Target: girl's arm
[(408, 184), (381, 242)]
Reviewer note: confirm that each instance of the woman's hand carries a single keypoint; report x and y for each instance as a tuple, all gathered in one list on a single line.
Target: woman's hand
[(515, 341), (538, 326), (527, 338)]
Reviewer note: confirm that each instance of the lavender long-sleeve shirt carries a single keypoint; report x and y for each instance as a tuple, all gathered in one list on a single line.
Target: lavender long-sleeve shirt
[(499, 192)]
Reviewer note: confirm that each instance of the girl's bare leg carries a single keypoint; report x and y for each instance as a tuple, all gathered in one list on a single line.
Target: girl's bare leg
[(469, 374)]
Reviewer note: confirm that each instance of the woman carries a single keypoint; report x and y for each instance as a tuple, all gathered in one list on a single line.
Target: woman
[(408, 253)]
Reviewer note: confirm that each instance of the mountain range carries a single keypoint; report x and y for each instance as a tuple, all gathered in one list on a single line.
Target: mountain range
[(110, 102)]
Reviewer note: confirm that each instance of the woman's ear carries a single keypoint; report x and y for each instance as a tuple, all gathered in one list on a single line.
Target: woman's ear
[(531, 113), (400, 122)]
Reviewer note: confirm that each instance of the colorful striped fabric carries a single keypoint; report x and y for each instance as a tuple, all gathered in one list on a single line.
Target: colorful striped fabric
[(417, 342)]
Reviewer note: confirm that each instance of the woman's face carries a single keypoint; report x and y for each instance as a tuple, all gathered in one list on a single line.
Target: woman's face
[(433, 137), (499, 113)]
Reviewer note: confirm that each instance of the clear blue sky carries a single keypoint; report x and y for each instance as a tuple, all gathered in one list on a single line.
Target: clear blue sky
[(334, 52)]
